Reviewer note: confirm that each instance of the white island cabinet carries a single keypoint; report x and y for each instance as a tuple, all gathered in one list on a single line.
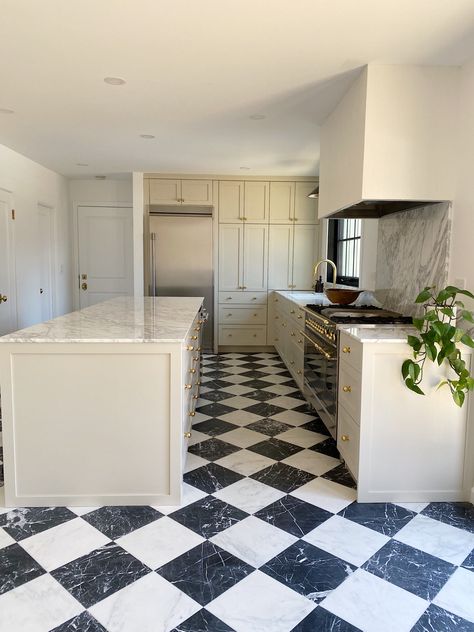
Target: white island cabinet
[(97, 404)]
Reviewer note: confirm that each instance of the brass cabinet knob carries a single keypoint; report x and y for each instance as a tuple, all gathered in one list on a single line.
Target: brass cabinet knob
[(346, 349), (190, 348), (275, 339), (192, 413), (197, 328), (254, 298), (292, 333), (275, 300), (292, 361), (347, 389), (228, 298), (195, 396), (292, 311), (244, 219), (198, 349), (3, 298), (296, 219), (255, 315), (299, 372), (255, 335), (187, 435), (199, 383), (277, 317), (300, 340), (290, 219), (344, 437), (244, 287), (194, 337), (300, 316), (192, 370), (84, 286), (188, 386), (229, 335)]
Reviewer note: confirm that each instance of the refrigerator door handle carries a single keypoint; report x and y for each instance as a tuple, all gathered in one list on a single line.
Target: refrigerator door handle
[(153, 264)]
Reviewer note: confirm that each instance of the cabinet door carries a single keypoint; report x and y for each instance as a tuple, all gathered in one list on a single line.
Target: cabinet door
[(230, 257), (256, 202), (306, 209), (196, 191), (305, 252), (231, 201), (282, 202), (165, 191), (255, 257), (280, 257)]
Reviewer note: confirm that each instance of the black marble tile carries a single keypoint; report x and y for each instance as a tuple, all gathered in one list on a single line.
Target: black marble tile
[(264, 409), (321, 620), (340, 474), (216, 384), (328, 447), (410, 568), (275, 449), (435, 619), (24, 522), (210, 478), (203, 621), (283, 477), (17, 567), (213, 449), (215, 396), (216, 409), (259, 395), (385, 518), (254, 374), (469, 561), (293, 515), (93, 577), (205, 572), (270, 427), (308, 570), (215, 375), (256, 384), (459, 515), (315, 425), (84, 622), (305, 408), (115, 522), (208, 516), (214, 427)]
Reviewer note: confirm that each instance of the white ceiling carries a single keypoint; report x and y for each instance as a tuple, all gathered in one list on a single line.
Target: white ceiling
[(196, 70)]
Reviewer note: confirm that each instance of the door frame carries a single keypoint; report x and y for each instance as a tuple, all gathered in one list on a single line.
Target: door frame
[(51, 211), (75, 241), (6, 196)]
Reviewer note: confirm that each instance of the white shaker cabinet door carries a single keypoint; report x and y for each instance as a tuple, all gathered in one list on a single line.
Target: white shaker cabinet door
[(280, 257), (256, 202), (165, 191), (231, 201), (196, 192), (306, 209), (305, 253), (230, 257), (255, 257), (282, 202)]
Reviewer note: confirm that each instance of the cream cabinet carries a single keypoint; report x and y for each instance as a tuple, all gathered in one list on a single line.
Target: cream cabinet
[(256, 202), (286, 321), (231, 201), (292, 253), (241, 201), (306, 209), (176, 192), (243, 257), (289, 203)]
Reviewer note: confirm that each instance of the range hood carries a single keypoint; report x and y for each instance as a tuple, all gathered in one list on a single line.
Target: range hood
[(389, 144)]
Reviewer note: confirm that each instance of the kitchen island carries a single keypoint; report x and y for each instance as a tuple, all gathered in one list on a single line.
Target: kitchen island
[(97, 404)]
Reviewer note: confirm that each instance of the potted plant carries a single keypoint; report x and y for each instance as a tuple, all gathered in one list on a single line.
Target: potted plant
[(438, 340)]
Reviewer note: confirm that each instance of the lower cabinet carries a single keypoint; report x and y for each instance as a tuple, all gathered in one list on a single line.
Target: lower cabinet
[(242, 335), (286, 320), (242, 319)]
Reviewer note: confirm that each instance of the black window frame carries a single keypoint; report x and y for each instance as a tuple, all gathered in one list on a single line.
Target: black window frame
[(333, 251)]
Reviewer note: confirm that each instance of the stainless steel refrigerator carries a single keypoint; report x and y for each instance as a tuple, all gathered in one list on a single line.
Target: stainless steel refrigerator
[(180, 257)]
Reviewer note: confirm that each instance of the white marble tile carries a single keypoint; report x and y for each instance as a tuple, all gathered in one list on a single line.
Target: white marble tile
[(237, 379), (326, 494), (254, 541), (37, 606), (245, 462), (279, 389), (441, 540), (148, 605), (5, 539), (348, 540), (312, 462), (197, 437), (193, 461), (240, 417), (198, 417), (190, 495), (374, 605), (271, 369), (292, 417), (275, 379), (303, 438), (237, 389), (235, 369), (264, 605), (62, 544), (159, 542), (243, 437), (416, 507), (239, 402), (284, 401), (457, 595), (81, 511), (249, 495)]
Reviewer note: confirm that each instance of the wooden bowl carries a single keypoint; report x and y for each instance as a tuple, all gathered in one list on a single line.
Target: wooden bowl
[(341, 296)]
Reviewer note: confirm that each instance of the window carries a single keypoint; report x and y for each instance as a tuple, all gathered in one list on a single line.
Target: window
[(344, 249)]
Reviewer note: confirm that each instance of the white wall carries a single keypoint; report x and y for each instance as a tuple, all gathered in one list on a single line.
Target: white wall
[(30, 184)]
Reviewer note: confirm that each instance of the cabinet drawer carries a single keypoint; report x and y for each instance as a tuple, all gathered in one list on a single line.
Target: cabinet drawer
[(244, 298), (233, 315), (295, 362), (242, 335), (348, 438), (349, 390), (350, 351)]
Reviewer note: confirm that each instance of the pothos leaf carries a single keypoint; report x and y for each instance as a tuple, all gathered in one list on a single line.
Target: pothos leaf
[(467, 340), (424, 295), (413, 387), (458, 397)]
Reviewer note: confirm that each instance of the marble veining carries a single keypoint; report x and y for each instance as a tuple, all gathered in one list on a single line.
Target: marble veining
[(122, 319)]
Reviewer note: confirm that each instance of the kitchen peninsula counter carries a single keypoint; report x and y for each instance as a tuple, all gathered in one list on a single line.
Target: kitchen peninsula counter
[(97, 404)]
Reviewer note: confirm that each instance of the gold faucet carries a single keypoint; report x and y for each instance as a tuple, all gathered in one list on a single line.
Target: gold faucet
[(334, 270)]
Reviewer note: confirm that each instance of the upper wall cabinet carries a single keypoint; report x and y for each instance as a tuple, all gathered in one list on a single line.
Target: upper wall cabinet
[(175, 192), (231, 201), (289, 202), (306, 209), (256, 202), (243, 202)]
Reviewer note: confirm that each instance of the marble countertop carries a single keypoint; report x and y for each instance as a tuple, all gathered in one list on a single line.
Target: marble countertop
[(378, 333), (123, 319)]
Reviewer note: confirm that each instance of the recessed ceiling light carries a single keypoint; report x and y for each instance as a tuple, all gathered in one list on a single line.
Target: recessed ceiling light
[(82, 164), (6, 111), (245, 168), (114, 81), (146, 136), (257, 117)]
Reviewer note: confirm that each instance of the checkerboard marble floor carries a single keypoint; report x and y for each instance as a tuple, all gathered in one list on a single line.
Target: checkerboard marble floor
[(269, 537)]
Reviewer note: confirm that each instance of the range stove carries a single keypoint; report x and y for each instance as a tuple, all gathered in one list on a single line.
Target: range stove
[(363, 314)]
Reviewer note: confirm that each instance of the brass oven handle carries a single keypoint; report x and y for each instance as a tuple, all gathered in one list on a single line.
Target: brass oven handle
[(316, 346)]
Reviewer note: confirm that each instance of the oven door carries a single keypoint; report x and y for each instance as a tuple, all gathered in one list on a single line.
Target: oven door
[(320, 377)]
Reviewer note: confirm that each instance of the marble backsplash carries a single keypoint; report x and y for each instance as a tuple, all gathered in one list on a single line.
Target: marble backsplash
[(412, 252)]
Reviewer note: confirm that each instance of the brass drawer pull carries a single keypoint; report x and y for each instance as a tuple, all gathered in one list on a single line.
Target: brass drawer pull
[(300, 372), (292, 333), (228, 315), (346, 349), (254, 298), (347, 389), (197, 329), (187, 435), (188, 386), (255, 315), (229, 298), (194, 337), (292, 362), (195, 396), (300, 340), (300, 316), (192, 370), (292, 311), (275, 339), (190, 348), (192, 413), (344, 437)]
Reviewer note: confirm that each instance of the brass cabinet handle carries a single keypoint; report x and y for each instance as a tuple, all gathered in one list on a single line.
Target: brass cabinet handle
[(347, 389), (187, 435), (275, 339), (255, 335), (3, 298), (192, 413), (229, 314), (346, 349), (195, 396), (255, 315), (244, 287), (300, 316), (188, 386), (296, 219), (344, 437), (228, 298), (275, 300), (197, 328)]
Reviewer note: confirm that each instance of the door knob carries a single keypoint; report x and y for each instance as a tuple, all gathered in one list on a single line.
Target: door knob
[(3, 298), (84, 286)]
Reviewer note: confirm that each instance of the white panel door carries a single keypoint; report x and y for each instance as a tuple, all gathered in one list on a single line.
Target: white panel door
[(306, 209), (231, 238), (280, 257), (47, 257), (304, 256), (282, 202), (165, 191), (196, 191), (105, 253), (231, 201), (8, 320), (256, 202), (255, 258)]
